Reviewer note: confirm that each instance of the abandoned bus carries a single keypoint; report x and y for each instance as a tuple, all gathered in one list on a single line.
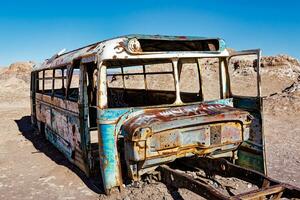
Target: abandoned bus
[(125, 106)]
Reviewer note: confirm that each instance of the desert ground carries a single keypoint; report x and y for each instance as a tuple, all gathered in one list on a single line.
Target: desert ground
[(31, 168)]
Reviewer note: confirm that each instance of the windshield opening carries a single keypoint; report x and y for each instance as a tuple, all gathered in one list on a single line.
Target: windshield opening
[(140, 83)]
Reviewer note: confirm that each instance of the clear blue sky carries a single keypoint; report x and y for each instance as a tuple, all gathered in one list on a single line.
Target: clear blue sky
[(35, 30)]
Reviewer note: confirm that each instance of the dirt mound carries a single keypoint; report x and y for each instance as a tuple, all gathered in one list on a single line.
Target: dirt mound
[(14, 81), (281, 66), (279, 60), (19, 67), (243, 67), (20, 70), (285, 66)]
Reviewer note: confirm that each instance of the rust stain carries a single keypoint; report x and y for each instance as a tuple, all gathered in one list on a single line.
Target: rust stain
[(218, 111)]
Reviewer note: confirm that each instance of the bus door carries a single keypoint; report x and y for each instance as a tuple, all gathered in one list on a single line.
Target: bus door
[(246, 92)]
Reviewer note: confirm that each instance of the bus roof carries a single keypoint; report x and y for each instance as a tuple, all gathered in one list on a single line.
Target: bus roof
[(131, 46)]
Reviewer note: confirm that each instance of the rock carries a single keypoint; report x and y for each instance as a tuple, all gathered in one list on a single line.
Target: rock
[(19, 67), (20, 70), (279, 60)]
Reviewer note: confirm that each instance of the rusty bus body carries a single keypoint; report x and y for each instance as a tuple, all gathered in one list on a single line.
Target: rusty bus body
[(126, 131)]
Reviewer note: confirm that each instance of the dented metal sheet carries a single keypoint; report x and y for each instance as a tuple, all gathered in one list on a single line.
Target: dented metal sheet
[(152, 116), (157, 136), (61, 124)]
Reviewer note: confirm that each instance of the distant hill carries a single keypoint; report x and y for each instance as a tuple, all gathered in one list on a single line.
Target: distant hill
[(20, 70)]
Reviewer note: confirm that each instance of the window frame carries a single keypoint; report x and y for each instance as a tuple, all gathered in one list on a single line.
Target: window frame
[(199, 74), (64, 81), (107, 66), (70, 73), (62, 78), (144, 74)]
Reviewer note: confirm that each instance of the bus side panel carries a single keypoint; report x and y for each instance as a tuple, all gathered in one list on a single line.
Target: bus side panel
[(62, 125)]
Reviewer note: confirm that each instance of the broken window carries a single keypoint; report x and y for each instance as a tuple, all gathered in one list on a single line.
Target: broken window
[(160, 77), (48, 82), (140, 83), (189, 81), (243, 75), (131, 80), (73, 91), (210, 77), (60, 82), (40, 81)]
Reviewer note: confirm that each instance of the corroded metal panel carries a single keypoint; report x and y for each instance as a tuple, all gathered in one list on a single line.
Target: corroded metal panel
[(153, 116), (156, 136), (58, 102), (108, 153), (251, 153), (136, 150), (62, 126), (61, 144)]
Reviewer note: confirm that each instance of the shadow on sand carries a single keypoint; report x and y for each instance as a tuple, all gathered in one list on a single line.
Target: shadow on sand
[(44, 146)]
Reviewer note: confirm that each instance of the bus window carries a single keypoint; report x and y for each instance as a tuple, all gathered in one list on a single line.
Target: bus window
[(190, 90), (114, 80), (40, 81), (210, 76), (134, 81), (73, 93), (163, 73), (65, 78), (246, 66), (140, 84), (59, 83), (48, 82)]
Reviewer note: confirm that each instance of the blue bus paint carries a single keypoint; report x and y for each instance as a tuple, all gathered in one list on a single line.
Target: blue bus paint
[(109, 161)]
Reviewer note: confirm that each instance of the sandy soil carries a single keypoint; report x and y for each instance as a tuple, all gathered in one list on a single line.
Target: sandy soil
[(31, 168)]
